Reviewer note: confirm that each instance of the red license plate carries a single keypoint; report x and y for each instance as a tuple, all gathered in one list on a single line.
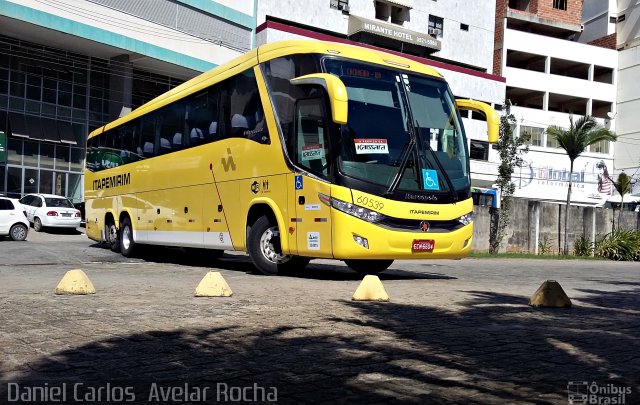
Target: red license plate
[(423, 245)]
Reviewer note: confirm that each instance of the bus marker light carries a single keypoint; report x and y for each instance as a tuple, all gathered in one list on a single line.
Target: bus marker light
[(361, 241), (423, 245)]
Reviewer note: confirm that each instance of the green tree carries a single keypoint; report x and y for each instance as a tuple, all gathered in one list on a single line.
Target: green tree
[(575, 140), (510, 148), (623, 186)]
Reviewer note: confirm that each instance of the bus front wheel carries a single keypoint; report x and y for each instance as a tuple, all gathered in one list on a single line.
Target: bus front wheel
[(127, 244), (265, 251), (364, 266)]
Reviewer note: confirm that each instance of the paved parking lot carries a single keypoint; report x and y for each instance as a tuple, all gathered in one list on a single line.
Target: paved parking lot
[(454, 331)]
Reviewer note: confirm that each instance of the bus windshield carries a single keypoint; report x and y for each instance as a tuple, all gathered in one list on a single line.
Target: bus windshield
[(403, 130)]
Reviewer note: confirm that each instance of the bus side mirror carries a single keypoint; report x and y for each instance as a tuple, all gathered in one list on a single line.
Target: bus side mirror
[(335, 89), (493, 121)]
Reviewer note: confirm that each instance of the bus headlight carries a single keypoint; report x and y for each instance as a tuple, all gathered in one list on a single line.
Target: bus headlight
[(466, 219), (352, 209)]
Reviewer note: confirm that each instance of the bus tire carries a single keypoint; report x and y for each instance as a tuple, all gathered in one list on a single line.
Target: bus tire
[(127, 244), (364, 266), (112, 237), (264, 249)]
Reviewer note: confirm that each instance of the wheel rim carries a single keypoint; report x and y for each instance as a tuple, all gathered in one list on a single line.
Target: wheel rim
[(113, 234), (19, 232), (126, 238), (270, 246), (37, 224)]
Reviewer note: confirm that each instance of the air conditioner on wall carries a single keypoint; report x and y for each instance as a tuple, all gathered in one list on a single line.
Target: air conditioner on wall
[(435, 32)]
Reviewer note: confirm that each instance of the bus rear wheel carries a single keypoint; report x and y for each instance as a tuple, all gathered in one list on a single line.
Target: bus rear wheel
[(265, 250), (127, 245), (364, 266)]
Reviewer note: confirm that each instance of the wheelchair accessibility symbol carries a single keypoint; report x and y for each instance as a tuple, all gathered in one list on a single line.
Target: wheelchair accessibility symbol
[(299, 185), (430, 179)]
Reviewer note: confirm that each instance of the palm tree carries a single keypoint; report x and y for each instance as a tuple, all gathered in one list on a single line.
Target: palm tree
[(574, 140), (623, 186)]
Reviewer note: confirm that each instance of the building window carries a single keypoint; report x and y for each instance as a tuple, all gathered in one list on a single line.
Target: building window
[(340, 4), (560, 4), (464, 27), (600, 147), (522, 5), (436, 26), (479, 150), (383, 11), (552, 142), (535, 133), (399, 15)]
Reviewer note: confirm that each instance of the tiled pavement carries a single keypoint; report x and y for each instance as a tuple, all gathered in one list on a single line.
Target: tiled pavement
[(454, 331)]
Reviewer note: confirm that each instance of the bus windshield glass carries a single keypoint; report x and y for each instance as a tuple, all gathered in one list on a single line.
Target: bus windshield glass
[(403, 130)]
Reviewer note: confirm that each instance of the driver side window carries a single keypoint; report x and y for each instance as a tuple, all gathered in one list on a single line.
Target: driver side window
[(312, 137)]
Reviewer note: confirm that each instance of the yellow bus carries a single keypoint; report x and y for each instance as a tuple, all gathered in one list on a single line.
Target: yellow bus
[(296, 150)]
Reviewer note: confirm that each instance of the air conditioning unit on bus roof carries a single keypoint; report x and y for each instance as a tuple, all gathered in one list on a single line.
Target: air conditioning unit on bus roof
[(435, 32)]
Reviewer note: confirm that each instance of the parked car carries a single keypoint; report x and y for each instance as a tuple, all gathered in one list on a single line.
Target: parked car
[(48, 210), (13, 219)]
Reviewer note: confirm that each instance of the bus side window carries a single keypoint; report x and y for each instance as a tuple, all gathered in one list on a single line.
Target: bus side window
[(243, 114), (171, 122), (278, 72), (312, 149), (146, 145)]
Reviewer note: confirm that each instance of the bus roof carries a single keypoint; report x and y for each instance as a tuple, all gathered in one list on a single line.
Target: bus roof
[(267, 52)]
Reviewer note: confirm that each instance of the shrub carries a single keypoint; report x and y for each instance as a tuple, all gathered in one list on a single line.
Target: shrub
[(621, 244), (583, 246), (544, 246)]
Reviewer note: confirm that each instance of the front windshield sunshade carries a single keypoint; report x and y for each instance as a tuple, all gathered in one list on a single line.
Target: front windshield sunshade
[(403, 131)]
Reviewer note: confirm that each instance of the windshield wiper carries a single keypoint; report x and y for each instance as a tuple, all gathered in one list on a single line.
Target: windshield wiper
[(404, 160)]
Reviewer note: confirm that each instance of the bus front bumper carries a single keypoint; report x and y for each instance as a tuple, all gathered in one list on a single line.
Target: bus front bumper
[(387, 244)]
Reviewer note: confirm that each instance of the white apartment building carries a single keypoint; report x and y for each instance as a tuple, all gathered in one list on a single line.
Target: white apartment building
[(454, 37), (550, 77), (618, 22)]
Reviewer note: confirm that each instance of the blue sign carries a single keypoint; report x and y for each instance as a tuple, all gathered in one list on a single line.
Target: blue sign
[(299, 185), (430, 179)]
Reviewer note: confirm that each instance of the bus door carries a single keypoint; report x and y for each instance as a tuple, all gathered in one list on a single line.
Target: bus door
[(313, 217)]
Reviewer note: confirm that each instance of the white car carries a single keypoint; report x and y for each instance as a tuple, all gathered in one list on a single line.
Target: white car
[(48, 210), (13, 219)]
